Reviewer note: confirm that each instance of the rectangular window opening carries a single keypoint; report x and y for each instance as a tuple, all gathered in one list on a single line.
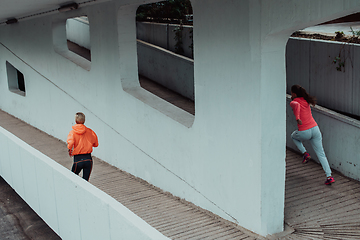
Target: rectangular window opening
[(165, 52), (78, 36), (71, 39), (16, 80)]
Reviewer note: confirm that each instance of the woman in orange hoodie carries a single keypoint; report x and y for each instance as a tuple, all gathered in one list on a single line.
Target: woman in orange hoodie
[(81, 141)]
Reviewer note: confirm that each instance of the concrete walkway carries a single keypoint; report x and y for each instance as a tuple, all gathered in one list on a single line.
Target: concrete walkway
[(312, 209)]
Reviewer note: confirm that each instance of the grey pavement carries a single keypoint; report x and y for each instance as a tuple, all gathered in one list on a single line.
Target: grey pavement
[(18, 221)]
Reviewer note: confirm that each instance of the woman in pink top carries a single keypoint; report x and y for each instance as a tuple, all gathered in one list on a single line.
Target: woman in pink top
[(308, 128)]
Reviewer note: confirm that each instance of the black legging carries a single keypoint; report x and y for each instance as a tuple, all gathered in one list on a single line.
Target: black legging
[(82, 162)]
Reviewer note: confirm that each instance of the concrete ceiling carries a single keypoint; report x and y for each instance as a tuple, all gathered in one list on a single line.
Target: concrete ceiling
[(21, 9)]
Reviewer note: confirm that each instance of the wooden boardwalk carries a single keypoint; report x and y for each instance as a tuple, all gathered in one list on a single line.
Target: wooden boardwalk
[(317, 211), (312, 209)]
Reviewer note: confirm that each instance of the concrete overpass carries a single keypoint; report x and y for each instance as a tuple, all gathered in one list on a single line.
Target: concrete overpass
[(221, 159)]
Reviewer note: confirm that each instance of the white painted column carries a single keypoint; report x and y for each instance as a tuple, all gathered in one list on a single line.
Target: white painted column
[(240, 105)]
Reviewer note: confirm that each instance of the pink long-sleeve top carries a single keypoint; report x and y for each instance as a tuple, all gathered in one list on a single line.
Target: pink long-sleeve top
[(302, 111)]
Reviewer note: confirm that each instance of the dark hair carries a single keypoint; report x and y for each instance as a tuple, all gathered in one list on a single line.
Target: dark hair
[(301, 92)]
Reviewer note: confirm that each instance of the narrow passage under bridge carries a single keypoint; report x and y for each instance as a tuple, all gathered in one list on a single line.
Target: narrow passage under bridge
[(312, 209)]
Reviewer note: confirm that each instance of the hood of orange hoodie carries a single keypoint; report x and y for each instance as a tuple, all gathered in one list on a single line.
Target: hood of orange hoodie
[(79, 128)]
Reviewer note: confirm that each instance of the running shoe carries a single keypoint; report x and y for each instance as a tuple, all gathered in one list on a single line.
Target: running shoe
[(329, 181), (306, 157)]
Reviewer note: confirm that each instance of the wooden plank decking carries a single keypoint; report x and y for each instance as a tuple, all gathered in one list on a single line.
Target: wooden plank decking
[(317, 211)]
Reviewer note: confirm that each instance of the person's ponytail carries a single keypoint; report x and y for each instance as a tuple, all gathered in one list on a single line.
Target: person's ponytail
[(301, 92)]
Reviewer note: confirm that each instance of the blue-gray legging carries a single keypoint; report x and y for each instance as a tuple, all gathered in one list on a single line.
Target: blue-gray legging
[(314, 135), (82, 162)]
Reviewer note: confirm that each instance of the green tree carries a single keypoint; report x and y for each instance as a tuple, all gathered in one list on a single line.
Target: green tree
[(170, 11)]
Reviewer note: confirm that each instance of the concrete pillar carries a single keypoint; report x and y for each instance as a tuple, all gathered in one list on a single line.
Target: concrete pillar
[(240, 87)]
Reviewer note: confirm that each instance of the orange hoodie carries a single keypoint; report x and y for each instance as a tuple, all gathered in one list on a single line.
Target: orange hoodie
[(82, 139)]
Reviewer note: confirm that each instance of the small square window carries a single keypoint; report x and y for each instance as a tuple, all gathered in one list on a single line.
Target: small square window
[(16, 80)]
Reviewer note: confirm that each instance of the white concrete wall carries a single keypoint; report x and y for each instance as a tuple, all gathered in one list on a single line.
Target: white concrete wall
[(310, 64), (230, 158), (155, 33), (163, 35), (340, 139), (72, 207), (78, 31), (166, 68)]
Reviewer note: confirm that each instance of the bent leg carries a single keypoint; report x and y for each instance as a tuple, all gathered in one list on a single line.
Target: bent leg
[(317, 145), (75, 168), (298, 137)]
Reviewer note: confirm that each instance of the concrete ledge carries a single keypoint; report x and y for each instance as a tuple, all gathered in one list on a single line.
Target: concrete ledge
[(168, 109), (171, 70), (77, 59), (163, 35)]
